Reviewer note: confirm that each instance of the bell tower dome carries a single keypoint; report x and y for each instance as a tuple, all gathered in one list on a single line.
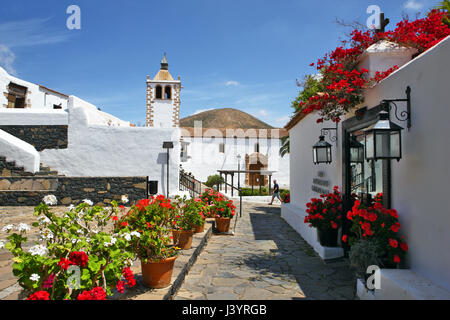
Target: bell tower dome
[(163, 99)]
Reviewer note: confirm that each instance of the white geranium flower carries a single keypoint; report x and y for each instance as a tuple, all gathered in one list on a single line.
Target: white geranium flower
[(46, 235), (71, 207), (111, 243), (38, 250), (136, 234), (125, 199), (7, 228), (35, 277), (95, 231), (127, 236), (50, 200), (2, 244), (89, 202), (23, 227), (75, 240), (43, 220)]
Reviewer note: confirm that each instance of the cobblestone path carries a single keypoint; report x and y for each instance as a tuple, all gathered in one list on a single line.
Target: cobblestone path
[(265, 259)]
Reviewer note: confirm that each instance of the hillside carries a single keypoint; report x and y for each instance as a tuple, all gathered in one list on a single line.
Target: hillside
[(225, 118)]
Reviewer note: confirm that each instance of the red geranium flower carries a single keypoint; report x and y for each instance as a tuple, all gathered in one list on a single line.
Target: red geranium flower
[(39, 295), (79, 258)]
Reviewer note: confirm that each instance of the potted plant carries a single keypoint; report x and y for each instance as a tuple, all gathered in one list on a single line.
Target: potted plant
[(151, 219), (183, 226), (225, 211), (325, 214), (196, 209), (74, 242), (379, 225)]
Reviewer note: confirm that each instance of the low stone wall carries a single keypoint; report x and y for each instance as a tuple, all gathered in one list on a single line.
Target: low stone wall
[(28, 184), (41, 137), (71, 190)]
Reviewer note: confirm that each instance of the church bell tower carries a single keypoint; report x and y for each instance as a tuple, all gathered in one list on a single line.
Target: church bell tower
[(163, 99)]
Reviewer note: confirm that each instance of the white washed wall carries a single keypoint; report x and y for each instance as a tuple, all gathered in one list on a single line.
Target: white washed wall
[(104, 150), (205, 158), (302, 137), (420, 180), (35, 93), (19, 151)]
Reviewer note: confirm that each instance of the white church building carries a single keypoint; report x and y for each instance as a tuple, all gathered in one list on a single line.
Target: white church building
[(204, 151)]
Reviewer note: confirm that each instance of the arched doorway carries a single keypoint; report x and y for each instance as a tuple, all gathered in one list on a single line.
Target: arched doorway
[(256, 161)]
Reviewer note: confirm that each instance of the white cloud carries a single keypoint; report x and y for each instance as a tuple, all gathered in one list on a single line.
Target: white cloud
[(30, 32), (7, 58), (232, 83), (413, 5), (25, 33)]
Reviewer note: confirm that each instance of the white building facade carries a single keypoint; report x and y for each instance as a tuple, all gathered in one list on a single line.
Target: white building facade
[(205, 151), (416, 186)]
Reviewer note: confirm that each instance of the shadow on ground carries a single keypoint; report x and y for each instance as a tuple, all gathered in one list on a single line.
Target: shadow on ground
[(293, 259)]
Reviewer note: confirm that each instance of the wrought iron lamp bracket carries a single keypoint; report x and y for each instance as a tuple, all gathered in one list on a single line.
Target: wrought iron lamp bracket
[(404, 115), (326, 132)]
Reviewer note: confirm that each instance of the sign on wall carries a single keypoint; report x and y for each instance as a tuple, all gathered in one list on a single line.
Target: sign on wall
[(320, 183)]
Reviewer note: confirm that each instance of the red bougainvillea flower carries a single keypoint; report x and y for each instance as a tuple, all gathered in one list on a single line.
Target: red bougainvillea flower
[(65, 263), (115, 218), (396, 259), (39, 295), (344, 238), (79, 258)]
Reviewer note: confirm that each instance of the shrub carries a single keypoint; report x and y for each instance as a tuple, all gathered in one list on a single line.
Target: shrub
[(363, 254), (148, 225), (374, 222), (214, 180), (191, 213), (217, 204), (325, 214), (75, 242)]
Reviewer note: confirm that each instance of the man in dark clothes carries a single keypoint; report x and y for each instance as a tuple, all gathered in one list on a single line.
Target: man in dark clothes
[(276, 192)]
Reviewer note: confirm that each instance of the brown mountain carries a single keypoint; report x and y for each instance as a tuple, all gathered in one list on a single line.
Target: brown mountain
[(225, 118)]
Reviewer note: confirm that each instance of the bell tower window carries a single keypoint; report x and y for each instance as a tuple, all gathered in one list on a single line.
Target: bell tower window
[(168, 92), (158, 94)]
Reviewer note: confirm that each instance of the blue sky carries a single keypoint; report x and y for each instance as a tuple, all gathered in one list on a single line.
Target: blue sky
[(243, 54)]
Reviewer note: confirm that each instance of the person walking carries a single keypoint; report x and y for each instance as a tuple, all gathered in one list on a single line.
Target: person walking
[(276, 192)]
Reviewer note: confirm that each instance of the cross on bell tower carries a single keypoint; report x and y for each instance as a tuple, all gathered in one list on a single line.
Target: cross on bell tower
[(383, 23)]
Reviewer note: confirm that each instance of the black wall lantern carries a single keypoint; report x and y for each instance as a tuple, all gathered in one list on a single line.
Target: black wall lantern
[(383, 139), (322, 151), (356, 151)]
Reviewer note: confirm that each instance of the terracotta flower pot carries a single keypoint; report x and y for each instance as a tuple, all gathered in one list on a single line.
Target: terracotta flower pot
[(199, 229), (183, 238), (158, 274), (223, 224)]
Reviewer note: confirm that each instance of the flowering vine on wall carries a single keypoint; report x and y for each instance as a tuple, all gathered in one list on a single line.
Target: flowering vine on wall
[(343, 84)]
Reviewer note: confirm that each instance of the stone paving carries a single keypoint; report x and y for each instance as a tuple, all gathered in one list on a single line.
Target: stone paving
[(265, 259)]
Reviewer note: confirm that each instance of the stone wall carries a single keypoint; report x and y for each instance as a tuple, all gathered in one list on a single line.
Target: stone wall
[(16, 191), (40, 136)]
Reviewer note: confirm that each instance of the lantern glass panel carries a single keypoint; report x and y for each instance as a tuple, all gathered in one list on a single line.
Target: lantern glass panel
[(322, 154), (369, 145), (395, 144)]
